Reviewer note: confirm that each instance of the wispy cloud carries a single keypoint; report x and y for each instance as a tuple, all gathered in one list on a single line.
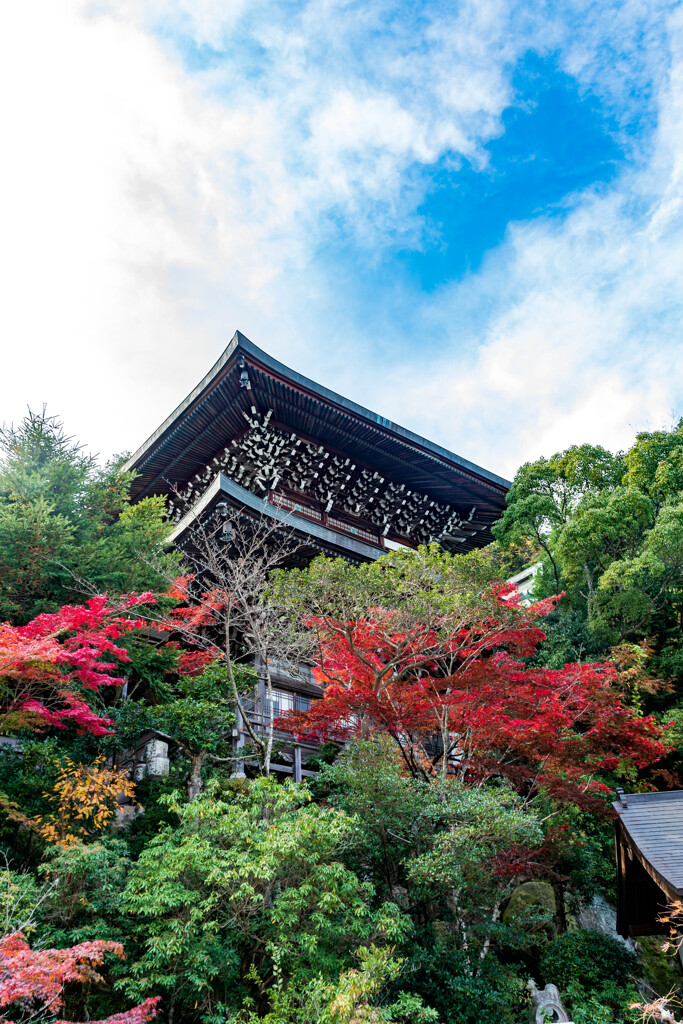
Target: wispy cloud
[(585, 341), (180, 168)]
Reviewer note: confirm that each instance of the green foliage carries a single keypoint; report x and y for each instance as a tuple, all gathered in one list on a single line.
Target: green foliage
[(632, 588), (433, 846), (510, 559), (545, 494), (251, 875), (423, 583), (596, 973), (569, 640), (359, 995), (605, 526), (153, 668), (197, 712), (20, 894), (83, 887), (67, 527), (153, 794), (655, 464), (409, 1007), (397, 813), (326, 754), (588, 859), (480, 823), (610, 1005), (26, 775), (611, 531), (197, 715), (589, 959), (441, 973), (34, 543)]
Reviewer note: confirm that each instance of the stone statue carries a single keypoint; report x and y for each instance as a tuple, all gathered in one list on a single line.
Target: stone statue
[(546, 1005)]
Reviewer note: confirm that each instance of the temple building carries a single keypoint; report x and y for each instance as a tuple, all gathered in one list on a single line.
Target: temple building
[(649, 854), (262, 440), (268, 441)]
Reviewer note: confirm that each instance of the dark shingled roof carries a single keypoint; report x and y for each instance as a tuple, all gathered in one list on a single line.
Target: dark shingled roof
[(212, 415), (653, 823)]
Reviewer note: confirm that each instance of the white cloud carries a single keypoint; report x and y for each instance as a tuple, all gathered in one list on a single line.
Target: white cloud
[(133, 191), (148, 211), (586, 343)]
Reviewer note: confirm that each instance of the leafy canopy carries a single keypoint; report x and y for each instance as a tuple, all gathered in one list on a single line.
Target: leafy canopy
[(251, 876), (67, 527)]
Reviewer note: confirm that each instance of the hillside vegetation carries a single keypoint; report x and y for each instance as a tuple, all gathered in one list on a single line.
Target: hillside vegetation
[(469, 747)]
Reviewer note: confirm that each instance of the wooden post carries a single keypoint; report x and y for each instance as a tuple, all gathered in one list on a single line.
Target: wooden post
[(297, 764)]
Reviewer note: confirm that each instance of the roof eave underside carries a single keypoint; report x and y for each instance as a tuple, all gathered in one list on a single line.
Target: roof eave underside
[(190, 430), (314, 533)]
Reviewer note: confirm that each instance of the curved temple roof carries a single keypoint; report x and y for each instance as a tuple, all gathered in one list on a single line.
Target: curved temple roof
[(245, 376)]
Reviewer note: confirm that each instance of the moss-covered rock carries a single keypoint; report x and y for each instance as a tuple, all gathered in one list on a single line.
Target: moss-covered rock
[(531, 907)]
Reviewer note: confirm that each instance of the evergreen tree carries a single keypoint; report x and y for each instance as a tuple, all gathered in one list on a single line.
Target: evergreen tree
[(67, 527)]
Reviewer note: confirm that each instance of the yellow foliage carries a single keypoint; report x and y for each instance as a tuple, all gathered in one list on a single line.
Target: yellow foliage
[(631, 661), (85, 801)]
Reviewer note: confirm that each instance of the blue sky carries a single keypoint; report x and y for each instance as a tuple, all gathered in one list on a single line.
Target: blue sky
[(467, 216)]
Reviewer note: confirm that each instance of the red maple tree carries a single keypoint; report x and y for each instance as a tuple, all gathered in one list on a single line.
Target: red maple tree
[(48, 665), (29, 977), (463, 703)]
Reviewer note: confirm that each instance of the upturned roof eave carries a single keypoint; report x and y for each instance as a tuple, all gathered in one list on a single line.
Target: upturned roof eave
[(189, 400), (240, 343)]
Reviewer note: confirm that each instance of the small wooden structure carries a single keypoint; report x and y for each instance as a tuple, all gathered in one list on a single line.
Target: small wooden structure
[(649, 852)]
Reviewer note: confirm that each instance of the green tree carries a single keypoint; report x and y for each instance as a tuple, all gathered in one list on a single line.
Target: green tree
[(83, 885), (610, 529), (545, 494), (198, 717), (435, 843), (358, 996), (435, 849), (604, 527), (67, 527), (250, 883), (654, 464), (633, 589)]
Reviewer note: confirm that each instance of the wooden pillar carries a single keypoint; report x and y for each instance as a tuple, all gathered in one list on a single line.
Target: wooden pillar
[(622, 890), (297, 764)]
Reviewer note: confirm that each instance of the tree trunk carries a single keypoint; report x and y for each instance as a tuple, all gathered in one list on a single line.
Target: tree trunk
[(194, 782), (590, 597), (546, 548), (560, 909), (445, 741), (271, 717), (495, 917)]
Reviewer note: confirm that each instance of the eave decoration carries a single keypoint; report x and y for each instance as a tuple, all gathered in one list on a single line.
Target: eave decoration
[(265, 456)]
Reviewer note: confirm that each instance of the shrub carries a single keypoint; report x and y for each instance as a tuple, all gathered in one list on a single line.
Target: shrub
[(444, 977), (587, 958)]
